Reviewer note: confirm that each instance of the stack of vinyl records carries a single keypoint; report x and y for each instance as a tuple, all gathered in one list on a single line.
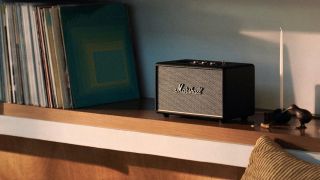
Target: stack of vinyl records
[(66, 56)]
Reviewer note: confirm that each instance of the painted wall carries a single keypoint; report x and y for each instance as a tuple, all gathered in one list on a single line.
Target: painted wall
[(235, 30)]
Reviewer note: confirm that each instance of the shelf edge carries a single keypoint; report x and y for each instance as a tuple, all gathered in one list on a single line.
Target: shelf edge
[(130, 141)]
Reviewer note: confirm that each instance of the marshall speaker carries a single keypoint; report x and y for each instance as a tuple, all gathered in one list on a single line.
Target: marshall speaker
[(214, 89)]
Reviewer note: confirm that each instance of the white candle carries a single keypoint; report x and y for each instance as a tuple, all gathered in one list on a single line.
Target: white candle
[(281, 68)]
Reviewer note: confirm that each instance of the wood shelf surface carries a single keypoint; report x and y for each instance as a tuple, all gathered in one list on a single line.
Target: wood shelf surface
[(139, 116)]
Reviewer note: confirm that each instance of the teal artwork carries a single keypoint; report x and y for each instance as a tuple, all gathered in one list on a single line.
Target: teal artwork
[(99, 54), (108, 68)]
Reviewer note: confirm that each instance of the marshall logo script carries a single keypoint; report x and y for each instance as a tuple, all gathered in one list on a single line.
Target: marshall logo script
[(182, 88)]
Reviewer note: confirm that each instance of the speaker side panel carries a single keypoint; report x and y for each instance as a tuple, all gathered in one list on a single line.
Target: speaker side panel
[(239, 89)]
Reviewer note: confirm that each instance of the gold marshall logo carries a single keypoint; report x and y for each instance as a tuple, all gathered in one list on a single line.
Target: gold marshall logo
[(182, 88)]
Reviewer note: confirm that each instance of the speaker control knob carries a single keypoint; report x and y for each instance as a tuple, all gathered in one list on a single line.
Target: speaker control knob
[(194, 62)]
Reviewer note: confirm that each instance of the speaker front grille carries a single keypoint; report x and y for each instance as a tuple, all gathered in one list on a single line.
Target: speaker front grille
[(173, 95)]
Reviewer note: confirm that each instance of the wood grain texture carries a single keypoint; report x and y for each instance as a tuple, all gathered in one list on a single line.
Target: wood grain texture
[(140, 116), (26, 159)]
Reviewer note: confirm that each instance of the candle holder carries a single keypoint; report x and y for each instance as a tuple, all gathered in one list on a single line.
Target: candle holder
[(282, 117), (304, 116), (276, 117)]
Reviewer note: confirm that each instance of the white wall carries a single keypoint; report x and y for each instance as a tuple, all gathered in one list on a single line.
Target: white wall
[(235, 30)]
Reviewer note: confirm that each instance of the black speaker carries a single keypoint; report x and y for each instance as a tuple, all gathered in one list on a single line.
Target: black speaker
[(214, 89)]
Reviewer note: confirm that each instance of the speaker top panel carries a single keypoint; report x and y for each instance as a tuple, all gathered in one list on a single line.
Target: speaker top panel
[(203, 63)]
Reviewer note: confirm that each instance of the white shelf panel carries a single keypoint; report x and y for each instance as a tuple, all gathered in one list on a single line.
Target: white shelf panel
[(136, 142)]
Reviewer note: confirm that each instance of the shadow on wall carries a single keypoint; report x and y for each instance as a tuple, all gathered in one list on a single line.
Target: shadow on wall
[(163, 34), (317, 100), (268, 75), (211, 29)]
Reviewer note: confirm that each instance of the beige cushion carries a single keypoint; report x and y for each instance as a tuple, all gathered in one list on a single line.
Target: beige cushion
[(269, 161)]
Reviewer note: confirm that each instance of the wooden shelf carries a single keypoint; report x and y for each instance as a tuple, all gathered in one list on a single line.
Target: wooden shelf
[(139, 116)]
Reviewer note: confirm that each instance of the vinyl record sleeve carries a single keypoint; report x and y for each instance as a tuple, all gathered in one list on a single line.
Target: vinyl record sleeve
[(99, 54)]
